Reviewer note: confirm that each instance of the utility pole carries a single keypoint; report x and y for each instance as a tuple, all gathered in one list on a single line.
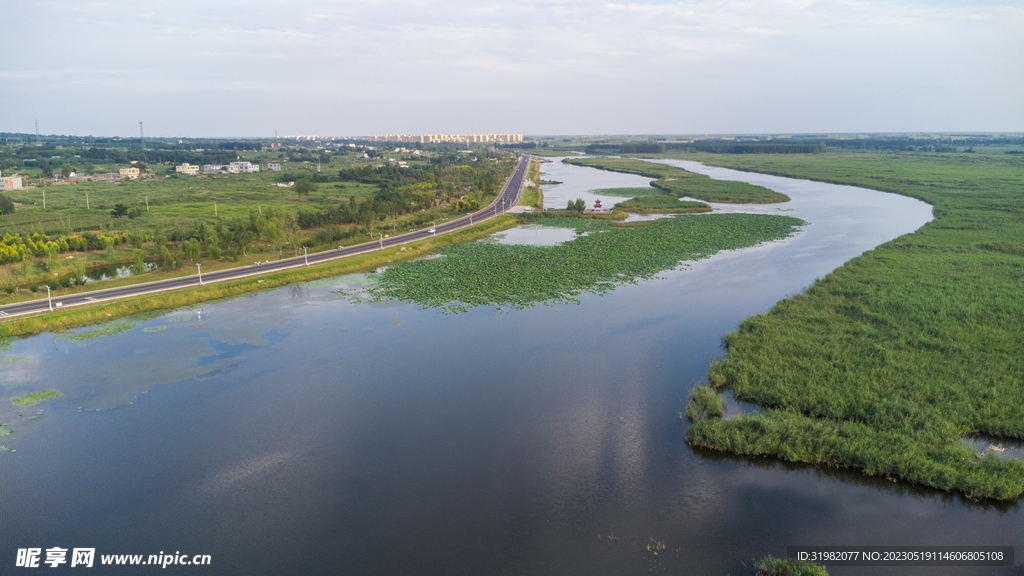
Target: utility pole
[(37, 132), (142, 136)]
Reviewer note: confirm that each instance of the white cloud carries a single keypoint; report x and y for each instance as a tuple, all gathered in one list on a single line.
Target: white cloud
[(580, 60)]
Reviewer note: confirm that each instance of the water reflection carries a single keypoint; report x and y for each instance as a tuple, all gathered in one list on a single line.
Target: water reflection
[(536, 235), (304, 434)]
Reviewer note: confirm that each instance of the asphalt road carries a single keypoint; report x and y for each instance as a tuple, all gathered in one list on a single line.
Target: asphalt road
[(508, 198)]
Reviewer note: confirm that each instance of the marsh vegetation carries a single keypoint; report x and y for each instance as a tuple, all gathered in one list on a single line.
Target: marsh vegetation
[(517, 276), (885, 364)]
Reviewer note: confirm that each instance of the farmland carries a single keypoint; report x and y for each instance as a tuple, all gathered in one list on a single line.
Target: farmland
[(518, 276), (889, 362), (321, 198)]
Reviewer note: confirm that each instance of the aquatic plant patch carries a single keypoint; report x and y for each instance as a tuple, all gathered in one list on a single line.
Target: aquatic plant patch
[(662, 205), (34, 397), (13, 359), (678, 182), (521, 276), (630, 192)]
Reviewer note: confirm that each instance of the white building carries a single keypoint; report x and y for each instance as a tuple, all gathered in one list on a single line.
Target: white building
[(186, 168), (212, 168), (8, 183), (276, 167), (243, 167)]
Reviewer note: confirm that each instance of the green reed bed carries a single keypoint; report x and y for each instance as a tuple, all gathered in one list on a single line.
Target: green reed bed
[(888, 362), (679, 182), (770, 566), (704, 402), (516, 276), (630, 192), (662, 205)]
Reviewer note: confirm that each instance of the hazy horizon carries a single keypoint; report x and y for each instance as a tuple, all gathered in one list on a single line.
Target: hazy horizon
[(228, 69)]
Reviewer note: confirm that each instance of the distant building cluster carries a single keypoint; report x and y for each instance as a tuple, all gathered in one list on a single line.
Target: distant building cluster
[(416, 139), (455, 138), (232, 168)]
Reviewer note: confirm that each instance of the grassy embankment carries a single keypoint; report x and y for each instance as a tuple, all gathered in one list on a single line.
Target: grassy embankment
[(679, 183), (93, 314), (886, 363), (520, 276), (532, 195)]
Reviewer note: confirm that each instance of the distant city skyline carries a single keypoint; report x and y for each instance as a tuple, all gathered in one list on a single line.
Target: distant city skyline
[(222, 69)]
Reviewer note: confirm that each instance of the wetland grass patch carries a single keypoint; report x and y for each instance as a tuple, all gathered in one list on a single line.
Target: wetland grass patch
[(521, 276), (662, 205), (630, 192), (678, 182), (884, 365), (36, 397), (771, 566)]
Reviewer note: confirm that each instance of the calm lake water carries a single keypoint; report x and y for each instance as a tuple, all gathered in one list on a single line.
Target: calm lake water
[(294, 432)]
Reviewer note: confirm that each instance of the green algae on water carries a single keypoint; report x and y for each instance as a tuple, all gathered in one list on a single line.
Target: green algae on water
[(34, 397)]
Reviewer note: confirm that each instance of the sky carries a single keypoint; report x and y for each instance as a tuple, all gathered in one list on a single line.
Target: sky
[(220, 68)]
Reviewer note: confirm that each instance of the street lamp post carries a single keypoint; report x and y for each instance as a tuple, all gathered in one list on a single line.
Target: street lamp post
[(381, 240), (48, 301), (305, 255), (200, 273)]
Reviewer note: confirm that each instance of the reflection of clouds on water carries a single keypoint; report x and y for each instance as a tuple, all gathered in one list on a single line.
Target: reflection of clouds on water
[(238, 475), (110, 367)]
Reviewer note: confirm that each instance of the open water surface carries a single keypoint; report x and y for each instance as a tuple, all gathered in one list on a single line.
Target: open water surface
[(294, 432)]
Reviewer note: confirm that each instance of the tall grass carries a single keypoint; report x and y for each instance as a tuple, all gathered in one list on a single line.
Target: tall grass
[(887, 362), (662, 205)]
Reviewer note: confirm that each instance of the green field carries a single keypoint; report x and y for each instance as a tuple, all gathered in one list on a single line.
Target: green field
[(172, 202), (518, 276), (680, 183), (887, 363)]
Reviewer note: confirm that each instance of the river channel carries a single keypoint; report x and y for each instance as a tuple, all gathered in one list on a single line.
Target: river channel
[(294, 431)]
